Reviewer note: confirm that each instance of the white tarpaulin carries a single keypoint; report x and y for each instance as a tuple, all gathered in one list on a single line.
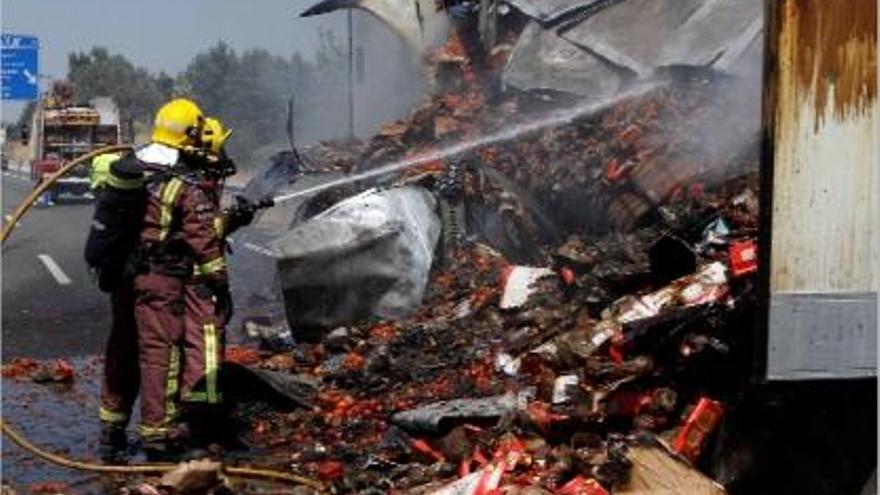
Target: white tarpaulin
[(367, 256)]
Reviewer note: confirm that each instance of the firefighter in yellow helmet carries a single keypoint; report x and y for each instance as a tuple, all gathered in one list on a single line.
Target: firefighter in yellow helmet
[(183, 300), (207, 299), (177, 236), (178, 124), (214, 137), (114, 240)]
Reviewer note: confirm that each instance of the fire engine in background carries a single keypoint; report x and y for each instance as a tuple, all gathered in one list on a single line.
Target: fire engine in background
[(63, 131)]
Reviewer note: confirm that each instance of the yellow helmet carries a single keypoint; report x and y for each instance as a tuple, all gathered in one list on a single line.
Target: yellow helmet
[(178, 124), (214, 136)]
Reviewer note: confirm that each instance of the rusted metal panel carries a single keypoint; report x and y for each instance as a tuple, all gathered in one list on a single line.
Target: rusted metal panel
[(824, 239)]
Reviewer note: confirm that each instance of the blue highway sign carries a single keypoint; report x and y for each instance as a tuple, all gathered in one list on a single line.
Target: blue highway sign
[(19, 67)]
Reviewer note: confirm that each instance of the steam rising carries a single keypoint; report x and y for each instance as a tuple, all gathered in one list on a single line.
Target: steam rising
[(386, 82), (552, 119)]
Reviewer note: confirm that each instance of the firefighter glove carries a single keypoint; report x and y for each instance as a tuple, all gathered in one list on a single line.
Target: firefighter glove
[(239, 215)]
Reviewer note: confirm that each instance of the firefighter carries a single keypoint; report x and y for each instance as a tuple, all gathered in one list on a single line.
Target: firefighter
[(183, 298), (118, 201), (177, 233), (118, 181), (207, 301)]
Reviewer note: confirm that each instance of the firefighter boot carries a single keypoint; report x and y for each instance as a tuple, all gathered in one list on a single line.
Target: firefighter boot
[(212, 425), (176, 446), (113, 443)]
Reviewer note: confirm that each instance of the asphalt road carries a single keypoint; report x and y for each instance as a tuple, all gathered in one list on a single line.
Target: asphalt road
[(50, 307)]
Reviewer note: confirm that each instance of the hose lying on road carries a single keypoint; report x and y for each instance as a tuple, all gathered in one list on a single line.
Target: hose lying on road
[(232, 471), (24, 443), (46, 184)]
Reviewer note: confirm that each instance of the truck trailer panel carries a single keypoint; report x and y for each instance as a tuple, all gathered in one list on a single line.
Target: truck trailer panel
[(822, 243)]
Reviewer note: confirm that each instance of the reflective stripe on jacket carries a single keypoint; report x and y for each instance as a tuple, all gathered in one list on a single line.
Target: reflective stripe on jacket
[(179, 218)]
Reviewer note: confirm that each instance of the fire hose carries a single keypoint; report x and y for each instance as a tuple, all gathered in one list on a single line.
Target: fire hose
[(46, 184), (232, 471), (59, 460)]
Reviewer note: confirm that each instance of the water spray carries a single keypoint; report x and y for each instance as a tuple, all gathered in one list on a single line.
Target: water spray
[(552, 119)]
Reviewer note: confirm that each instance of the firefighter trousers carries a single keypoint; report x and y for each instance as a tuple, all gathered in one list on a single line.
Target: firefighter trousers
[(182, 342), (159, 310), (204, 341), (121, 380)]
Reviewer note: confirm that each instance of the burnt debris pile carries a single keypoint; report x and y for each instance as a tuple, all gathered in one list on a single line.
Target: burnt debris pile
[(587, 317)]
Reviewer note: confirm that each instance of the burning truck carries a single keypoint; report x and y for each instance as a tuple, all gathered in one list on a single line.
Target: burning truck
[(554, 275)]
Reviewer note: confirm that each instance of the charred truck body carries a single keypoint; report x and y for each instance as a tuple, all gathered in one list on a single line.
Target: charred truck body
[(622, 217), (819, 240)]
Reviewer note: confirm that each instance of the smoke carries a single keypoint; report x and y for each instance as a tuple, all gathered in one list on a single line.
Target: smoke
[(707, 130), (386, 83), (507, 133), (391, 83), (731, 125)]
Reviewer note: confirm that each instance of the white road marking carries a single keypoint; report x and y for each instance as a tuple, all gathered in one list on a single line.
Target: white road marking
[(14, 175), (54, 269)]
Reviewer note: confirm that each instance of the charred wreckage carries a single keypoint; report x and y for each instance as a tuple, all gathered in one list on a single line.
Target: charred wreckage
[(554, 292), (550, 284), (556, 296)]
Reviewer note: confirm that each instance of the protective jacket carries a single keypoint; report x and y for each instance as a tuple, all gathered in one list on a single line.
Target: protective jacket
[(181, 232), (181, 243)]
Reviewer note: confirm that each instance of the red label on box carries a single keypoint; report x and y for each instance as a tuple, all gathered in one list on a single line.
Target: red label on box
[(582, 486), (743, 258), (698, 426)]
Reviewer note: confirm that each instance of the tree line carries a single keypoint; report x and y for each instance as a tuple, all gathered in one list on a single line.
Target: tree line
[(248, 90)]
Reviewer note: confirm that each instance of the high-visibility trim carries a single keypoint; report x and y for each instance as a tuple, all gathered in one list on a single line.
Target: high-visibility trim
[(171, 385), (153, 432), (220, 226), (101, 169), (120, 183), (200, 397), (215, 265), (211, 346), (195, 397), (170, 193), (108, 416)]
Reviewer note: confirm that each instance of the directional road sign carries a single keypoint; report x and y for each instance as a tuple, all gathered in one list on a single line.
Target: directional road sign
[(19, 68)]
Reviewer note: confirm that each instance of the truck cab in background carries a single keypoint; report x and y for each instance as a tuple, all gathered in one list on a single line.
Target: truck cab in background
[(63, 131)]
